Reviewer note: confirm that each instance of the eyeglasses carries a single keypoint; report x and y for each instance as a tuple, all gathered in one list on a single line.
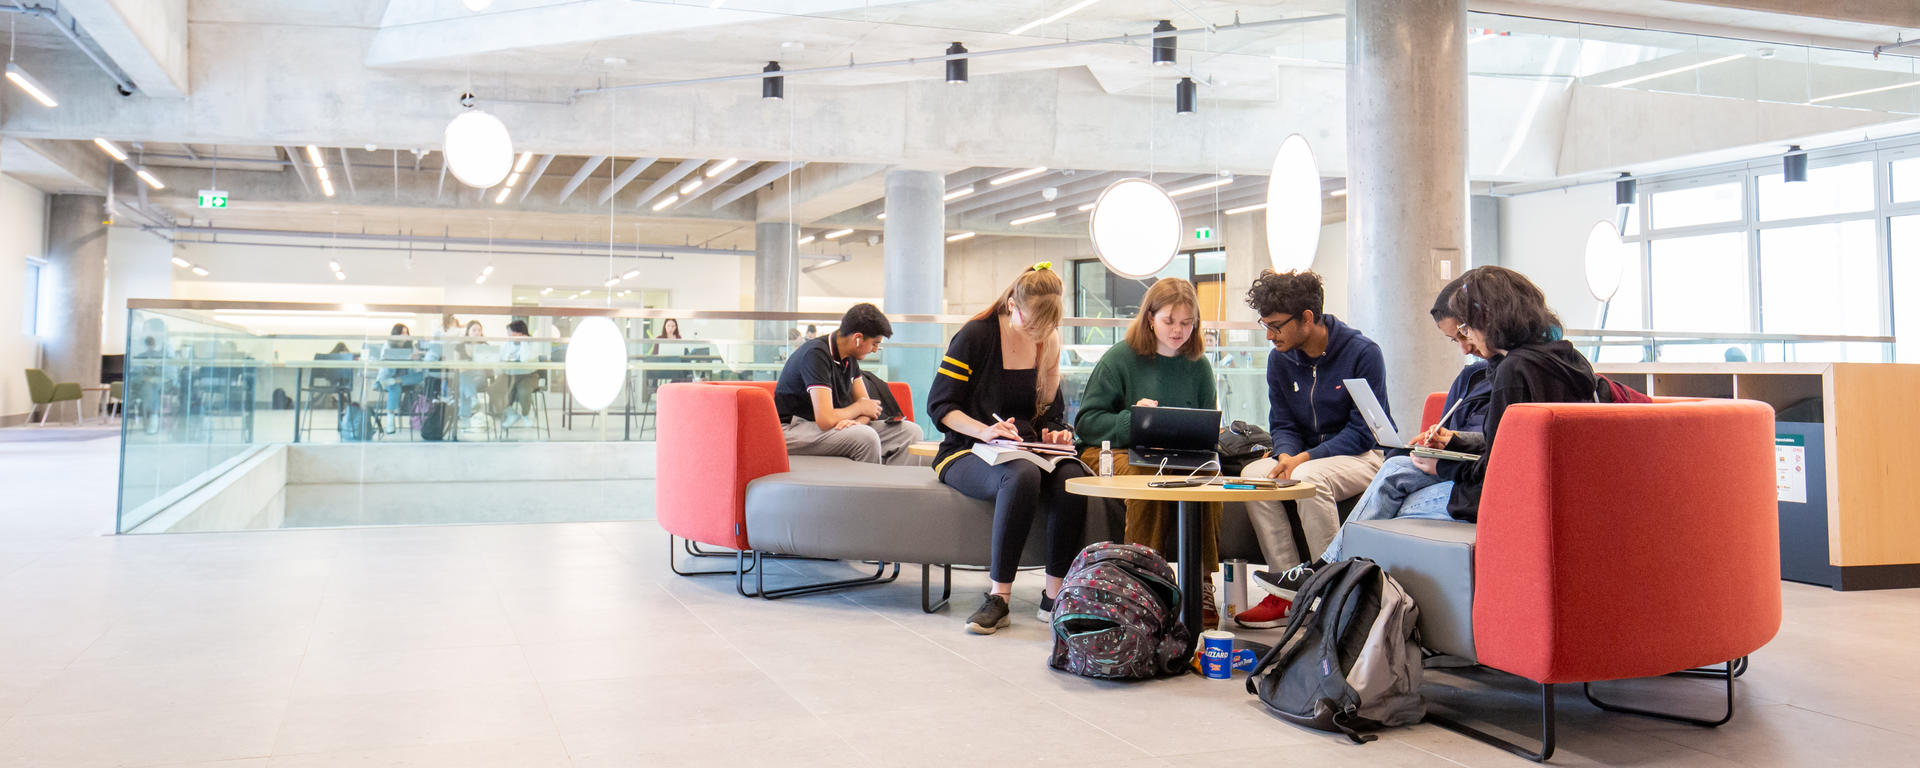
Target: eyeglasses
[(1276, 327)]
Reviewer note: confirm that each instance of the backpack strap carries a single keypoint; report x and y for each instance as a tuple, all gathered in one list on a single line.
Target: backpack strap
[(1335, 617)]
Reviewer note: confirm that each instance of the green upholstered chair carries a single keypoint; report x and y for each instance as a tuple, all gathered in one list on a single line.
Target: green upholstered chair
[(45, 393)]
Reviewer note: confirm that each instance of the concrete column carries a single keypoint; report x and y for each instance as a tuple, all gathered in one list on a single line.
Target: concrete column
[(776, 281), (1483, 224), (915, 275), (1406, 164), (76, 289)]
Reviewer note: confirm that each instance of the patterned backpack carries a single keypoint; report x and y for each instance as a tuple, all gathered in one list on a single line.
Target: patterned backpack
[(1118, 615)]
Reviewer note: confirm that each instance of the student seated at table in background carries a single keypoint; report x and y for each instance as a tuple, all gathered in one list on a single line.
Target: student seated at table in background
[(824, 407), (1001, 379), (1403, 488), (471, 380), (1161, 362), (396, 380), (516, 386), (1319, 436)]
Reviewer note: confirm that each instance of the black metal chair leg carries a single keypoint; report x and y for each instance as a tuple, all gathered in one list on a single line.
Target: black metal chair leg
[(1739, 669), (1727, 674), (738, 560), (1546, 729), (926, 587), (880, 576)]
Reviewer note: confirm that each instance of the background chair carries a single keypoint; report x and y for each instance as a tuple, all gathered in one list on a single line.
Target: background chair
[(45, 393), (1614, 541)]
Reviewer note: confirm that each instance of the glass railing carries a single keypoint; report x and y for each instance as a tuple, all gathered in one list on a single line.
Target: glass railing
[(1616, 346)]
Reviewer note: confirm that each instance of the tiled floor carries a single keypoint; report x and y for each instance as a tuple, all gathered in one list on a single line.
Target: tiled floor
[(554, 645)]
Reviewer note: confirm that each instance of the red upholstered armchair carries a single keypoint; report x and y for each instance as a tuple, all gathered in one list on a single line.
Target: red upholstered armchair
[(1614, 541)]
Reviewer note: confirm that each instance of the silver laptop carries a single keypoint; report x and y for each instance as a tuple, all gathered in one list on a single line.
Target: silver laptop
[(1382, 427)]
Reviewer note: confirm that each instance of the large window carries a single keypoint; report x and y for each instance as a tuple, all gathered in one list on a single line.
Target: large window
[(1828, 190), (1822, 279), (1696, 206), (1904, 236), (30, 320), (1700, 286)]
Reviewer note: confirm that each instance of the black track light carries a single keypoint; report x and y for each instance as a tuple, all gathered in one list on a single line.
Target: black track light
[(773, 86), (1164, 46), (1183, 96), (1794, 166), (1624, 189), (956, 68)]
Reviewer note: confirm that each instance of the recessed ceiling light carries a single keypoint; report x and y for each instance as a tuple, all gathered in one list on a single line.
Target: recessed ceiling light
[(838, 233), (111, 149), (959, 237), (1033, 218), (1018, 175), (721, 167), (1205, 185), (806, 239), (1245, 209), (957, 193)]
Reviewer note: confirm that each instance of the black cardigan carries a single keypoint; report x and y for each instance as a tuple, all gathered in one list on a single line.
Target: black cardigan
[(968, 381)]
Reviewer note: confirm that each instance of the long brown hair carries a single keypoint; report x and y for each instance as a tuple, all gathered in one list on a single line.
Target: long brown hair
[(1506, 308), (1167, 292), (1038, 291)]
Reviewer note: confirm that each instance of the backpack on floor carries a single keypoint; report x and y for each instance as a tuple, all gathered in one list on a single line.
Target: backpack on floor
[(1118, 615), (418, 405), (439, 423), (355, 423), (1350, 658)]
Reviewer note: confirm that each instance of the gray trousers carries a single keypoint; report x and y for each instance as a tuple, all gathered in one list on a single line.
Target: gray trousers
[(875, 443), (1336, 478)]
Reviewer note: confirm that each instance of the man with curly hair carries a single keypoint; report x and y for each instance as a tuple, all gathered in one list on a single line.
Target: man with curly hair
[(1319, 436)]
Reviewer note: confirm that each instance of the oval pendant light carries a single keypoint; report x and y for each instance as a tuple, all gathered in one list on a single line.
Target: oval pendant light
[(1606, 258), (479, 151), (596, 363), (1135, 228), (1293, 206)]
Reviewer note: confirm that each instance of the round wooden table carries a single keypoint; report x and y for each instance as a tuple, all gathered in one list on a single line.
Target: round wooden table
[(928, 448), (1190, 501)]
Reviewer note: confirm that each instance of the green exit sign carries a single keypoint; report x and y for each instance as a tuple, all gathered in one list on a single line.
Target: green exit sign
[(1203, 233), (213, 198)]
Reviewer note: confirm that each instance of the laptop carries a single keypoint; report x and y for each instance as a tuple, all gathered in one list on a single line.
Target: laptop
[(1382, 427), (1174, 438)]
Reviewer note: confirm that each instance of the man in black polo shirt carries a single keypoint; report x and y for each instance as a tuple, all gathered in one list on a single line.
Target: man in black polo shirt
[(824, 406)]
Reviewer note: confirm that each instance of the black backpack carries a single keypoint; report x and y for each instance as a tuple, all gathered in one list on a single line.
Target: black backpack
[(1242, 444), (878, 389), (439, 423), (1350, 658)]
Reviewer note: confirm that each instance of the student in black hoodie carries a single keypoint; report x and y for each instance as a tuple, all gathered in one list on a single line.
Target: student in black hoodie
[(1506, 319), (1000, 378)]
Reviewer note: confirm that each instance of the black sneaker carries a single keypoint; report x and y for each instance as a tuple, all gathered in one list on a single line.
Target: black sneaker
[(993, 615), (1284, 585), (1045, 614)]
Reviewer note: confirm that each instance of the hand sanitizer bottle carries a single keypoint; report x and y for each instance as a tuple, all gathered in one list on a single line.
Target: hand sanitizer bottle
[(1106, 458)]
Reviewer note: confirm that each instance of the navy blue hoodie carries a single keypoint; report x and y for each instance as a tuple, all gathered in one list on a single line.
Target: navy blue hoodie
[(1308, 407)]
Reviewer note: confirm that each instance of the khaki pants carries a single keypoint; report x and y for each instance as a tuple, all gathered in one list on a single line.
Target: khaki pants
[(874, 442), (1337, 478), (1156, 524)]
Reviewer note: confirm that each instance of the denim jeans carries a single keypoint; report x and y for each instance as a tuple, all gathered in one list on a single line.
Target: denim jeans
[(396, 384), (1400, 489)]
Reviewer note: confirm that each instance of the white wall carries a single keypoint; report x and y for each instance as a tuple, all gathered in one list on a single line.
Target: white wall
[(1544, 236), (139, 266), (23, 233)]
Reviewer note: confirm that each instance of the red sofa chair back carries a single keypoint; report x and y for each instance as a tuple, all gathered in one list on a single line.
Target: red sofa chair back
[(1622, 541), (712, 441), (1435, 408)]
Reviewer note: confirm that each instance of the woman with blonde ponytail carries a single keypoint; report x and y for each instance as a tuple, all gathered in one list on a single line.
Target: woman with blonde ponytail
[(1000, 378)]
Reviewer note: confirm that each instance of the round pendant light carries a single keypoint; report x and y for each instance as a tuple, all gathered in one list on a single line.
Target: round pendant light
[(1293, 206), (478, 149), (1135, 228), (1606, 259), (477, 5), (596, 363)]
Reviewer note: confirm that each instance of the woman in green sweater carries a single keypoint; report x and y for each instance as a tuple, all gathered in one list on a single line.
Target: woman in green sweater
[(1159, 364)]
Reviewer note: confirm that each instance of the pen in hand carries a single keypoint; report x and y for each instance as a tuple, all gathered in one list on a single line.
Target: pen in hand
[(1431, 431)]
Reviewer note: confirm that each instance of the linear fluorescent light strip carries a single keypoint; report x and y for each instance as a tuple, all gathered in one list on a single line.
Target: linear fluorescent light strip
[(1246, 209), (957, 193), (611, 282), (690, 186), (721, 167), (882, 216), (31, 86), (1018, 175), (201, 271), (504, 191), (1341, 192), (313, 153), (630, 274), (806, 239), (182, 263), (1033, 218), (326, 186), (1674, 71), (1851, 94), (960, 237), (1202, 186), (111, 149), (1071, 9), (666, 201), (838, 233), (522, 165), (1085, 208), (154, 181)]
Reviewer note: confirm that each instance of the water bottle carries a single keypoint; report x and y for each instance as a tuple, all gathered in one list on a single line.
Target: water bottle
[(1106, 458)]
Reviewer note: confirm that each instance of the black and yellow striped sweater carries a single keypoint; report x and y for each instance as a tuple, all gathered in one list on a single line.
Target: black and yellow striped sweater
[(970, 380)]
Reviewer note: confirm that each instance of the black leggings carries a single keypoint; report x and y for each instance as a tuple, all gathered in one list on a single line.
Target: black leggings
[(1018, 489)]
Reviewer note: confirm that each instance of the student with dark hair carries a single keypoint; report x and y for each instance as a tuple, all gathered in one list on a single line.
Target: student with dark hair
[(1318, 434), (513, 387), (1408, 486), (1506, 320), (1161, 362), (824, 406), (393, 381), (1000, 378)]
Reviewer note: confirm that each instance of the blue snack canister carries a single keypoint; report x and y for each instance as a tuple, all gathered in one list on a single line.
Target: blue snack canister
[(1216, 654)]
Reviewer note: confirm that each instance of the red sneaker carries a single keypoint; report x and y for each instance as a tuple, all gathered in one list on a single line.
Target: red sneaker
[(1270, 613)]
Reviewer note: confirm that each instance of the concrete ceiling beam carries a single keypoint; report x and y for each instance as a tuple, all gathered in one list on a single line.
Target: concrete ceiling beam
[(539, 170), (713, 182), (580, 177), (146, 40), (627, 176), (346, 169), (664, 183), (299, 168), (756, 182), (56, 166)]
